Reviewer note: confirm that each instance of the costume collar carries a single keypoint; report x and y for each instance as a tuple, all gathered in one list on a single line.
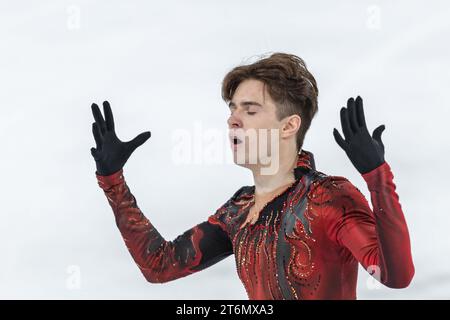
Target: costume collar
[(305, 163)]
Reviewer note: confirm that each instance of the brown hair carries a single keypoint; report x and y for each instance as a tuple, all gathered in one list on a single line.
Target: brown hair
[(289, 83)]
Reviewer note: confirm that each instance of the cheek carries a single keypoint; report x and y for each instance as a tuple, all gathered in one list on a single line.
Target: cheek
[(262, 120), (264, 127), (265, 139)]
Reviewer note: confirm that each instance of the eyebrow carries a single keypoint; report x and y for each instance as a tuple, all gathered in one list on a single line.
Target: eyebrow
[(245, 103)]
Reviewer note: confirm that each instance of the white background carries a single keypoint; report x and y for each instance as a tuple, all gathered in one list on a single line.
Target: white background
[(161, 65)]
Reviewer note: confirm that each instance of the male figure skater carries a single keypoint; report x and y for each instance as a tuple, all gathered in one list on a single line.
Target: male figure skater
[(295, 234)]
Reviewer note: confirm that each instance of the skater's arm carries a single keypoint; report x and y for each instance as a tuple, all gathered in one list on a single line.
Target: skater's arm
[(378, 239), (159, 260)]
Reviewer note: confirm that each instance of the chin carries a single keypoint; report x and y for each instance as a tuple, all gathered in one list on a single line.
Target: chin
[(244, 162)]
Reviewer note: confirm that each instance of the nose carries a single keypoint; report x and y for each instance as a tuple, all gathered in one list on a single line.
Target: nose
[(233, 121)]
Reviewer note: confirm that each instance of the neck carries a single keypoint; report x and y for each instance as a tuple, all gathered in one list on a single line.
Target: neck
[(283, 176)]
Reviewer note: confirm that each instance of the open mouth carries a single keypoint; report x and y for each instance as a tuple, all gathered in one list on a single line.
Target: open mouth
[(236, 141)]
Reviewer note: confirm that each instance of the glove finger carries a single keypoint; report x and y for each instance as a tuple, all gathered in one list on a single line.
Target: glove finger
[(345, 124), (98, 118), (340, 141), (95, 154), (97, 135), (139, 140), (352, 115), (377, 133), (108, 116), (360, 112)]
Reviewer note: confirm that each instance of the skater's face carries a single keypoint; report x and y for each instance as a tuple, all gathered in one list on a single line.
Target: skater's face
[(254, 122), (252, 107)]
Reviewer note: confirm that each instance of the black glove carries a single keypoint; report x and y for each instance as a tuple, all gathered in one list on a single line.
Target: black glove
[(111, 154), (365, 152)]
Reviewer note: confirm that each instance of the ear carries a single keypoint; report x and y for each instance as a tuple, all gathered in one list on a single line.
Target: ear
[(290, 126)]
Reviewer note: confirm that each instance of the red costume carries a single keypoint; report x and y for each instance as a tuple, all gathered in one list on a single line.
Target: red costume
[(306, 243)]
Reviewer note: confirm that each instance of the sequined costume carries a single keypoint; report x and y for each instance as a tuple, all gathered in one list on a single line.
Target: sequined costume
[(306, 244)]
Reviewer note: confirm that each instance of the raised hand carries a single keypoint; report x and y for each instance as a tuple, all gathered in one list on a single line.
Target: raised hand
[(111, 154), (364, 151)]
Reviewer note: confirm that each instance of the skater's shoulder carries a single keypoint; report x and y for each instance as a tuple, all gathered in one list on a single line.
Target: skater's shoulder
[(243, 192), (326, 186)]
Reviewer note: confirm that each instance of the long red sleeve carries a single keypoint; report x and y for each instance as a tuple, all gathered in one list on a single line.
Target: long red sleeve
[(378, 239), (159, 260)]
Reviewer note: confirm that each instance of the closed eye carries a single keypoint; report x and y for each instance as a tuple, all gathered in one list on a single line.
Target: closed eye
[(250, 113)]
